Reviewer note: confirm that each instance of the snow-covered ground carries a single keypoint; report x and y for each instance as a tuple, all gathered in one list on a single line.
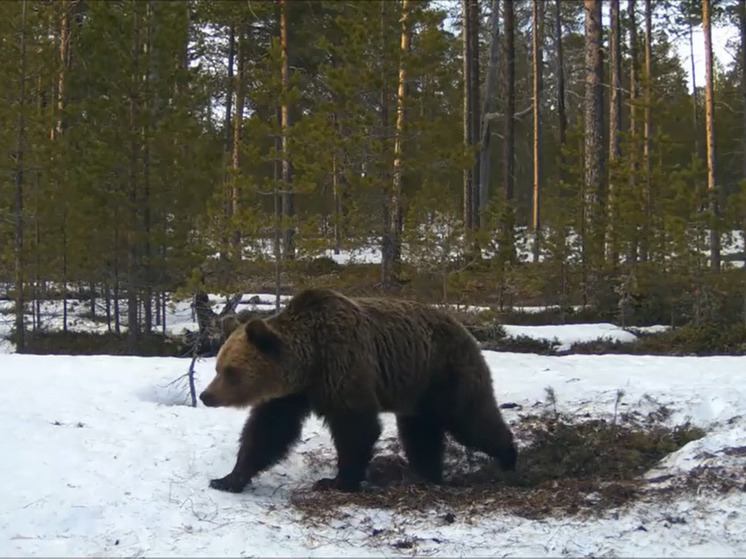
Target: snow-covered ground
[(99, 458)]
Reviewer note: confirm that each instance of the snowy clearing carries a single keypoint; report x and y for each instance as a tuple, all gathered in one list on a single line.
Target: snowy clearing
[(98, 460)]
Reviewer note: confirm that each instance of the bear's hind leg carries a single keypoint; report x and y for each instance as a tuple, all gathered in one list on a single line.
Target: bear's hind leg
[(354, 435), (481, 427), (423, 438), (268, 434)]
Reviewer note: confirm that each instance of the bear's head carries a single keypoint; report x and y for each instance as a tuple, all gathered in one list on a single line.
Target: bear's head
[(248, 367)]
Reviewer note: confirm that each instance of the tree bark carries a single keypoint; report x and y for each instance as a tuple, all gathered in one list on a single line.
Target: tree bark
[(646, 131), (469, 109), (288, 206), (615, 124), (474, 113), (56, 132), (19, 178), (695, 108), (147, 265), (228, 149), (594, 149), (633, 117), (742, 22), (710, 138), (392, 260), (229, 87), (133, 235), (561, 110), (235, 191), (537, 16), (387, 249), (490, 88), (507, 247)]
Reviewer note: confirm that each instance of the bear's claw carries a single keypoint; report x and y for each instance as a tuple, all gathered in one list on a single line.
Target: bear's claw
[(229, 483)]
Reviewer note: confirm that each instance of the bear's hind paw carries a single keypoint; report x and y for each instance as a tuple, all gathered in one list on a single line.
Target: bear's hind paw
[(229, 483)]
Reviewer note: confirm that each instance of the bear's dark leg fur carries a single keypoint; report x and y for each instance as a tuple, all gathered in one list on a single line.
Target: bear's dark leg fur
[(270, 431), (354, 435), (423, 438), (482, 428)]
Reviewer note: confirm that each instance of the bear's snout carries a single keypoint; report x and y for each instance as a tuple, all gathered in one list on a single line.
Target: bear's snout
[(208, 399)]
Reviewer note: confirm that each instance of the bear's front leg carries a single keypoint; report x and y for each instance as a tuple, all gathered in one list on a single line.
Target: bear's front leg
[(268, 434), (233, 483), (354, 435)]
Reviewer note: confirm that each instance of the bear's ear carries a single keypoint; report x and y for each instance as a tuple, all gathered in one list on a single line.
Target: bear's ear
[(229, 324), (259, 333)]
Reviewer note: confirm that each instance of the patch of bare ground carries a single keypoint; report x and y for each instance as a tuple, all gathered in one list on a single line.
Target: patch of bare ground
[(568, 466)]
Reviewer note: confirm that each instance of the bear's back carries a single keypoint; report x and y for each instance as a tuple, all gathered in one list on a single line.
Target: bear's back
[(416, 347), (404, 349)]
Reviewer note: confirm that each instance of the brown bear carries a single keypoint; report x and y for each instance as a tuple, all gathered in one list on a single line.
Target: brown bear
[(347, 360)]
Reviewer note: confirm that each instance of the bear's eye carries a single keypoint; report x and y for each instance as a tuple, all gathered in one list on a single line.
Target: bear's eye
[(232, 374)]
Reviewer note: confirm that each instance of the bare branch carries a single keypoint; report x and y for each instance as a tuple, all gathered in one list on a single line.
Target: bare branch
[(517, 116)]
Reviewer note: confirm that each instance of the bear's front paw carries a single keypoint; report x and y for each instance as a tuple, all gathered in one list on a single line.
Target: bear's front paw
[(230, 483), (327, 483)]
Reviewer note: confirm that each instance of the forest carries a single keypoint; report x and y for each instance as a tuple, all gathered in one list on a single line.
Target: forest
[(483, 152)]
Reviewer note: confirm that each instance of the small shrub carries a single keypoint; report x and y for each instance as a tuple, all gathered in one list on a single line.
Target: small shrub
[(523, 344), (318, 266), (690, 339), (487, 332), (553, 315), (87, 343), (708, 339)]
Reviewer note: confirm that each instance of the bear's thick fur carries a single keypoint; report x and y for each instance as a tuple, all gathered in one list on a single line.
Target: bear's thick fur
[(348, 360)]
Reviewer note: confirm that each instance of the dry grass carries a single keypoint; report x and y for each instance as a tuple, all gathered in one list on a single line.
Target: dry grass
[(568, 466)]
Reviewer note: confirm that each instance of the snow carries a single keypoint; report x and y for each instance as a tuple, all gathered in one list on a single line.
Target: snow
[(99, 458), (568, 334)]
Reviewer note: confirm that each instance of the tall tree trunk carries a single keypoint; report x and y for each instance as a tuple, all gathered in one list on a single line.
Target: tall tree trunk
[(64, 66), (228, 149), (561, 110), (507, 247), (387, 245), (229, 88), (395, 209), (470, 19), (742, 23), (56, 132), (20, 146), (117, 320), (695, 107), (594, 149), (615, 125), (277, 207), (646, 133), (633, 118), (235, 192), (147, 264), (133, 235), (537, 17), (710, 138), (490, 88), (288, 206), (469, 109), (474, 113), (336, 191)]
